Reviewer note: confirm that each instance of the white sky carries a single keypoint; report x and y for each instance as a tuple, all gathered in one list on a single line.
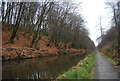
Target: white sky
[(91, 11)]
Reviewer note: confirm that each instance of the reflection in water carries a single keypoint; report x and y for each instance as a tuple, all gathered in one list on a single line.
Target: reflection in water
[(39, 68), (38, 75)]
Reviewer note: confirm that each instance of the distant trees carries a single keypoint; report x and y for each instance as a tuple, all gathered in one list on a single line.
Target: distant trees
[(113, 33), (59, 21), (116, 14), (111, 36), (66, 27), (110, 43)]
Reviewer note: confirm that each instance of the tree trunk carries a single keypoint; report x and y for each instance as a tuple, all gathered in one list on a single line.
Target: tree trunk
[(17, 23), (33, 40), (3, 6), (39, 25)]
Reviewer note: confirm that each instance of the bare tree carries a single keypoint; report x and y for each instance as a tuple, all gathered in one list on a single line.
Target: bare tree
[(20, 13), (46, 6)]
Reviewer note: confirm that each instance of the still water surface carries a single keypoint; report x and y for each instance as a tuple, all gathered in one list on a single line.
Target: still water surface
[(39, 68)]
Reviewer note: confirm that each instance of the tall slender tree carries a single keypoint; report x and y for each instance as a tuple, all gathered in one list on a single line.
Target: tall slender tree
[(20, 13)]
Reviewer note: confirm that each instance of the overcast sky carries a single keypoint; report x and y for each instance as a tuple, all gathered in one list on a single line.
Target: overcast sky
[(92, 10)]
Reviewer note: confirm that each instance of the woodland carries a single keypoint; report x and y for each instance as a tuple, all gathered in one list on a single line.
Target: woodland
[(46, 39), (57, 24)]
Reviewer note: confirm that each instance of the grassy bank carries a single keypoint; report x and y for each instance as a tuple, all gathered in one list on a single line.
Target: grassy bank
[(83, 70), (112, 61)]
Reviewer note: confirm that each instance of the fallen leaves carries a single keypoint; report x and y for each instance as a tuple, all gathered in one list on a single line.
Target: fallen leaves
[(16, 53)]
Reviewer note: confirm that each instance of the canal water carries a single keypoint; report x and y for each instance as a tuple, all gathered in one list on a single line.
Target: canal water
[(39, 68)]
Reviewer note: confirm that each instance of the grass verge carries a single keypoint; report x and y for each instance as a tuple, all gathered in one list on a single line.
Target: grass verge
[(83, 70), (112, 61)]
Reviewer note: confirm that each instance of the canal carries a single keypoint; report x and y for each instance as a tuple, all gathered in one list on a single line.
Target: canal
[(39, 68)]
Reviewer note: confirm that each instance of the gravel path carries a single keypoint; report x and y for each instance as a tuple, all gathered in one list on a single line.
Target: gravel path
[(104, 69)]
